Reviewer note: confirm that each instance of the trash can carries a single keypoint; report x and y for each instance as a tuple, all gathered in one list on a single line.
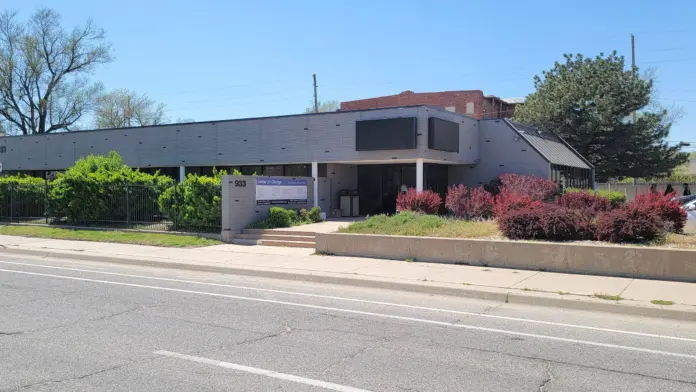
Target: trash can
[(345, 203), (355, 204)]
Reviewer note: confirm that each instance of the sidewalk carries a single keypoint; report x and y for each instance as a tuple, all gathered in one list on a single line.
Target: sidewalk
[(514, 286)]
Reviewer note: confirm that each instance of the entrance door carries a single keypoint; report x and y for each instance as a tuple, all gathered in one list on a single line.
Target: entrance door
[(379, 186), (391, 184), (370, 189)]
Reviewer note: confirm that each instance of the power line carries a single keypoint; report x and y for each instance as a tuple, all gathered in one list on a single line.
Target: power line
[(670, 61), (665, 50)]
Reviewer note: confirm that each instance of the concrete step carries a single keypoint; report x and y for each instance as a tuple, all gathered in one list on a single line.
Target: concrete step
[(279, 232), (276, 237), (243, 241), (294, 244)]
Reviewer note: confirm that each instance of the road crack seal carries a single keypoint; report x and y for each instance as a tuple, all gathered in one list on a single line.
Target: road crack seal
[(549, 377), (49, 382), (363, 350), (272, 335)]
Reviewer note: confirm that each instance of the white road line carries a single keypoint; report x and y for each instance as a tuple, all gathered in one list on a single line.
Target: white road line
[(457, 312), (364, 313), (263, 372)]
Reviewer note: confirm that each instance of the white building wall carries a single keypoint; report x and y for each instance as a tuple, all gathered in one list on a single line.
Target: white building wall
[(501, 150)]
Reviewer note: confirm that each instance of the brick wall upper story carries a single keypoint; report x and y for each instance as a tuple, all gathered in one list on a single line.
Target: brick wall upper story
[(469, 102)]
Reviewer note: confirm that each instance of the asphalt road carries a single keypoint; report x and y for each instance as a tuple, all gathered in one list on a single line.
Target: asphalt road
[(81, 326)]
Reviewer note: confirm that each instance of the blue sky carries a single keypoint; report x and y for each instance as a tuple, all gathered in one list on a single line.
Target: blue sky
[(210, 60)]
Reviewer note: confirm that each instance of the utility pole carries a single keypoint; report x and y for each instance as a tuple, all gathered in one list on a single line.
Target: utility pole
[(633, 65), (316, 102), (633, 69)]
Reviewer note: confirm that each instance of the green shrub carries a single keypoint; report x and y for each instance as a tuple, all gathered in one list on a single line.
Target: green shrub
[(194, 204), (292, 214), (278, 217), (22, 196), (616, 199), (304, 215), (102, 188), (314, 214)]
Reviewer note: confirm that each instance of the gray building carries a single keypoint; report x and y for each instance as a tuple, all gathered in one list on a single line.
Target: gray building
[(374, 152)]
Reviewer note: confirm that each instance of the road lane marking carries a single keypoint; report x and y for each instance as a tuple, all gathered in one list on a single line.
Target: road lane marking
[(364, 313), (457, 312), (262, 372)]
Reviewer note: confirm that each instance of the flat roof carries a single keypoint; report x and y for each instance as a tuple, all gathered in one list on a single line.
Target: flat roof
[(144, 127)]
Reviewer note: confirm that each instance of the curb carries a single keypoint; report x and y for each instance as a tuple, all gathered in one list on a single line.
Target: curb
[(575, 302)]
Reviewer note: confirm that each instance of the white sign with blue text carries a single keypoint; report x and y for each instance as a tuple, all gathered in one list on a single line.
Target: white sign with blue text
[(281, 191)]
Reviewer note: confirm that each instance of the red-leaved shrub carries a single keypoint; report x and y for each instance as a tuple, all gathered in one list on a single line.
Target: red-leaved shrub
[(507, 201), (585, 202), (565, 224), (474, 203), (631, 223), (427, 201), (536, 188), (673, 216), (546, 222), (521, 224)]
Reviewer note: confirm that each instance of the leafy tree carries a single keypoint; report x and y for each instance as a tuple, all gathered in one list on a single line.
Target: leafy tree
[(43, 68), (325, 106), (125, 108), (589, 103)]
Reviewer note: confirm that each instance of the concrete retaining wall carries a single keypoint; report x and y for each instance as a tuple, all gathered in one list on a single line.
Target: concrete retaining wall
[(628, 261)]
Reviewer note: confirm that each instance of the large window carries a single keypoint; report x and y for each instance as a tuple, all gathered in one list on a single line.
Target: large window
[(273, 171), (301, 170), (387, 134), (575, 177), (443, 135)]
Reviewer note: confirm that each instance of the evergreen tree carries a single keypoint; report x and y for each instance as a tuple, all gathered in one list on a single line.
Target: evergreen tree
[(589, 103)]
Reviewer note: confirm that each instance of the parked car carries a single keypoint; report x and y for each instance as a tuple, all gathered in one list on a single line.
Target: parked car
[(690, 207), (683, 200)]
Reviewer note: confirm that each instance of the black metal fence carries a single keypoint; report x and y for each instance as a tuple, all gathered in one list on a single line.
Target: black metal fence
[(124, 206)]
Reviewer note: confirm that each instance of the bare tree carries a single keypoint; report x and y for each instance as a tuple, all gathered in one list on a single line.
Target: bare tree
[(674, 112), (43, 69), (325, 106), (125, 108)]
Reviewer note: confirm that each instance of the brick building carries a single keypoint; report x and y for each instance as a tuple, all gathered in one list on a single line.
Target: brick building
[(469, 102)]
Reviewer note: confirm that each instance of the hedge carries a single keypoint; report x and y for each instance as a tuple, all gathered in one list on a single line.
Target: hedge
[(546, 222), (194, 204), (615, 198), (22, 196), (102, 188)]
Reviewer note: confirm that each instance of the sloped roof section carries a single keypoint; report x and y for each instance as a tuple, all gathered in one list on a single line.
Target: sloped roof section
[(516, 100), (551, 146)]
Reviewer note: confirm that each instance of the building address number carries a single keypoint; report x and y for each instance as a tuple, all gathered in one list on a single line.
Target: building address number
[(240, 183)]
